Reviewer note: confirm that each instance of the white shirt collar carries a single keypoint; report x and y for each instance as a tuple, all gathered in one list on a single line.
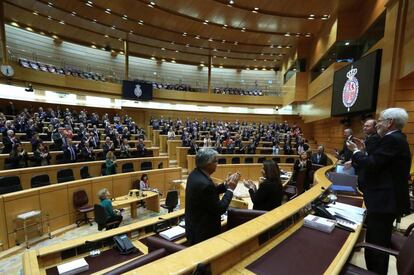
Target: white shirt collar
[(389, 133)]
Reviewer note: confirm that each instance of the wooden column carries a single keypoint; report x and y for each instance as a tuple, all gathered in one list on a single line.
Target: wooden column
[(126, 53), (209, 73), (5, 60)]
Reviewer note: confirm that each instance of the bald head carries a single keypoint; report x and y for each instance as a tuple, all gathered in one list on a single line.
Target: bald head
[(347, 133)]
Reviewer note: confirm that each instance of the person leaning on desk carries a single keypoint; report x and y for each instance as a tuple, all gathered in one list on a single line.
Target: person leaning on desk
[(203, 207), (112, 215), (270, 192)]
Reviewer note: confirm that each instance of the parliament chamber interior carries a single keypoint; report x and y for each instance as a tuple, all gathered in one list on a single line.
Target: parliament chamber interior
[(206, 137)]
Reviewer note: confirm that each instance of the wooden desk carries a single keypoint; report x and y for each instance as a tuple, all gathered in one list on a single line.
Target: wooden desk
[(152, 202), (163, 143), (172, 148), (182, 156), (94, 167), (228, 158), (56, 200), (156, 137)]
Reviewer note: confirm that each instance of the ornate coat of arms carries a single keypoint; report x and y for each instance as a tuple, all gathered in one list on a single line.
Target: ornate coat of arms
[(351, 89), (137, 90)]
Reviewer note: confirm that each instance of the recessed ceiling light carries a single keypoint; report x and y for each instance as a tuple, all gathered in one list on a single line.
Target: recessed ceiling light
[(243, 29), (113, 27), (93, 46), (311, 18), (173, 61), (205, 22), (197, 37), (125, 17), (49, 17), (221, 66), (255, 69), (347, 43), (248, 68), (294, 69), (73, 13), (42, 33), (106, 36), (214, 50), (184, 34), (163, 60), (151, 6), (108, 11), (256, 9), (152, 3), (214, 56), (177, 51), (225, 57), (55, 36), (15, 24), (120, 39), (311, 15), (162, 49), (187, 45), (210, 39), (103, 49), (288, 47), (29, 29), (271, 46), (201, 48), (201, 65), (287, 34), (35, 13), (131, 31), (279, 46), (94, 20), (223, 41), (50, 4), (154, 73), (308, 35), (264, 69), (153, 58), (89, 3), (231, 2), (325, 17), (141, 22), (172, 43), (235, 43), (62, 22)]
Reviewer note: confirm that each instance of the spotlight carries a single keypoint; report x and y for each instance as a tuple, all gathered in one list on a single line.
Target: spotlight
[(29, 88)]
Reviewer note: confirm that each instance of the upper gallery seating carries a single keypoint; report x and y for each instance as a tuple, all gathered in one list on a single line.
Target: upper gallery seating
[(238, 91), (38, 66)]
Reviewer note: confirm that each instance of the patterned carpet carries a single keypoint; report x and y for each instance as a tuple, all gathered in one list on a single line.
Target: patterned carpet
[(13, 264)]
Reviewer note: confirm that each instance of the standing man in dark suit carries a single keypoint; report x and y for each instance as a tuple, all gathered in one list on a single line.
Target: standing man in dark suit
[(345, 154), (386, 183), (320, 158), (203, 207)]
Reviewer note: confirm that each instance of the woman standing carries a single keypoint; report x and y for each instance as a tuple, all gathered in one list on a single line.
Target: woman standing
[(270, 192), (110, 163)]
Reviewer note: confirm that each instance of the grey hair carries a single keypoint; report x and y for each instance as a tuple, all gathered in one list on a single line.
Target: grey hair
[(349, 130), (102, 193), (205, 156), (398, 115)]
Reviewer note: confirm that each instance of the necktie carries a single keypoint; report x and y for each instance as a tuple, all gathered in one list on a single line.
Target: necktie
[(72, 153)]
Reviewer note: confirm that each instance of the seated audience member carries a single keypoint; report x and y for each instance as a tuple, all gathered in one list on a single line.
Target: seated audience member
[(302, 164), (230, 148), (59, 138), (108, 146), (18, 157), (141, 148), (171, 134), (125, 149), (144, 184), (320, 157), (87, 152), (9, 140), (251, 148), (41, 155), (186, 141), (193, 147), (203, 206), (68, 132), (112, 215), (70, 152), (301, 147), (270, 192), (110, 163)]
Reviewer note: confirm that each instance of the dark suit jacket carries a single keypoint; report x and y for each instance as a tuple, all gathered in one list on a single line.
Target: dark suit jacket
[(322, 161), (386, 175), (8, 145), (203, 208), (345, 153), (371, 143), (268, 196)]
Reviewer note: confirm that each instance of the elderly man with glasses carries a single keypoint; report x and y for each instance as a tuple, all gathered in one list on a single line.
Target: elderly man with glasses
[(386, 194), (203, 206)]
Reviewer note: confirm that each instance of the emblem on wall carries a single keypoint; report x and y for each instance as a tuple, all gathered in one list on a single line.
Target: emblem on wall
[(137, 90), (351, 89)]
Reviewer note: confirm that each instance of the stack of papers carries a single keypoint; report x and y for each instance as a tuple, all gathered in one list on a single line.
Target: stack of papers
[(319, 223), (347, 215), (73, 267), (173, 233), (28, 215)]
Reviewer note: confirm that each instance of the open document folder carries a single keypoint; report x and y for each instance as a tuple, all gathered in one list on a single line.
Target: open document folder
[(351, 216)]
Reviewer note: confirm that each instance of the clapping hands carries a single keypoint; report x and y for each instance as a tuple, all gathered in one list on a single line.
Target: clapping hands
[(232, 180), (250, 185)]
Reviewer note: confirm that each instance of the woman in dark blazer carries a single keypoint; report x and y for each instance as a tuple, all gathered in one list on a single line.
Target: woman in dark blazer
[(302, 164), (270, 192)]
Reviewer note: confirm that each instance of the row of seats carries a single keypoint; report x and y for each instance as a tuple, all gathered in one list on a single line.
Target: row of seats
[(38, 66), (238, 91), (10, 184), (236, 160)]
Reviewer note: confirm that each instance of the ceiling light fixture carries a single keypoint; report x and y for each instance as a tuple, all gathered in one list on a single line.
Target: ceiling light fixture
[(93, 46), (50, 4), (113, 27), (163, 60), (151, 5), (308, 35), (187, 45), (125, 17), (201, 65), (94, 20), (176, 51), (141, 22), (106, 36), (162, 49), (279, 46), (62, 22), (29, 29), (55, 36), (173, 61), (287, 34), (243, 29), (49, 17), (221, 66), (197, 37), (225, 57), (89, 3), (108, 11), (73, 13), (205, 22), (231, 2), (35, 13), (347, 43), (223, 41), (172, 43), (184, 34), (210, 39), (152, 58)]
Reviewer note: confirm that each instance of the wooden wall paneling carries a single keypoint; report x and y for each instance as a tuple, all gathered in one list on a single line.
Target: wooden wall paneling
[(121, 184), (169, 177), (319, 107), (325, 39), (54, 210), (289, 90), (14, 205), (407, 64), (100, 183), (3, 225)]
